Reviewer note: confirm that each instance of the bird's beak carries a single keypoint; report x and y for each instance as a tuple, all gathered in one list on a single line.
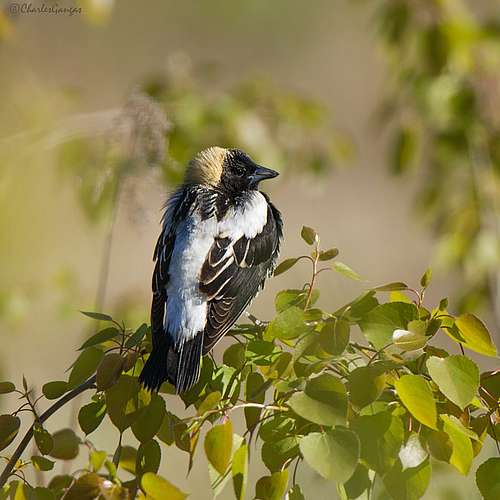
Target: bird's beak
[(262, 173)]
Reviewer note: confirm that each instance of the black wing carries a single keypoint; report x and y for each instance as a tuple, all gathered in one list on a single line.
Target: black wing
[(234, 272)]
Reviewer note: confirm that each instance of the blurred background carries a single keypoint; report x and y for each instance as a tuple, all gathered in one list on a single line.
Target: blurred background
[(382, 116)]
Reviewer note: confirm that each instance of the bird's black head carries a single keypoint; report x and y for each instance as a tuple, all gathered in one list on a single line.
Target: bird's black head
[(231, 170), (241, 173)]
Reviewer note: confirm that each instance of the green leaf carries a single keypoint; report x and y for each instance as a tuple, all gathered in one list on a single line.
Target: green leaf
[(6, 387), (86, 487), (462, 454), (158, 488), (9, 427), (42, 463), (97, 459), (412, 454), (288, 324), (100, 337), (380, 322), (410, 484), (488, 478), (119, 402), (474, 335), (137, 336), (218, 444), (85, 366), (425, 280), (323, 402), (358, 483), (43, 439), (381, 436), (98, 316), (416, 394), (149, 419), (91, 415), (293, 297), (41, 493), (456, 376), (148, 458), (344, 269), (366, 384), (284, 266), (333, 454), (334, 336), (239, 470), (109, 370), (254, 392), (328, 254), (439, 445), (66, 445), (391, 287), (209, 403), (308, 234), (275, 453), (272, 487), (234, 356), (54, 390)]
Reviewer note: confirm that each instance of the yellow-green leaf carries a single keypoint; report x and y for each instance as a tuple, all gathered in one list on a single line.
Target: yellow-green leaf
[(158, 488), (218, 445), (240, 470), (308, 234), (416, 394), (474, 335), (272, 487), (42, 463)]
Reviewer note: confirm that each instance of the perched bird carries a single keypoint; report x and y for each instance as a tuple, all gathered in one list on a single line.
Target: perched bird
[(220, 241)]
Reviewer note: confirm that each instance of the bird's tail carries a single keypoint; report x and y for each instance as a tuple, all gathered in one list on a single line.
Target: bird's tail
[(180, 367), (157, 368)]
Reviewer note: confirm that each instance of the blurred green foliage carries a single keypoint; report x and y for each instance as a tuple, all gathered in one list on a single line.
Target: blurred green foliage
[(442, 105), (372, 418)]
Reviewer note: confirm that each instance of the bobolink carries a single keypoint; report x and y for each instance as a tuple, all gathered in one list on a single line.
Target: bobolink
[(220, 241)]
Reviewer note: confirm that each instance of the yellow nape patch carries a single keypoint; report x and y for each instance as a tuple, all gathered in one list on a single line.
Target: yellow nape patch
[(206, 167)]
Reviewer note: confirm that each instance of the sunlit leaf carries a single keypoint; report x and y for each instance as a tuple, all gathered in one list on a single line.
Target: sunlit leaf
[(380, 322), (159, 488), (333, 454), (344, 269), (456, 376), (426, 278), (416, 395), (462, 454), (391, 287), (119, 401), (474, 335), (288, 324), (218, 444), (239, 470)]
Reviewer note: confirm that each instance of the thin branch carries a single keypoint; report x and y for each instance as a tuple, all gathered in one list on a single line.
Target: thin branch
[(88, 384)]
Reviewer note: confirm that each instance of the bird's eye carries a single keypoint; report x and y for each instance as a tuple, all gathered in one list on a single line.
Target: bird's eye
[(239, 171)]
